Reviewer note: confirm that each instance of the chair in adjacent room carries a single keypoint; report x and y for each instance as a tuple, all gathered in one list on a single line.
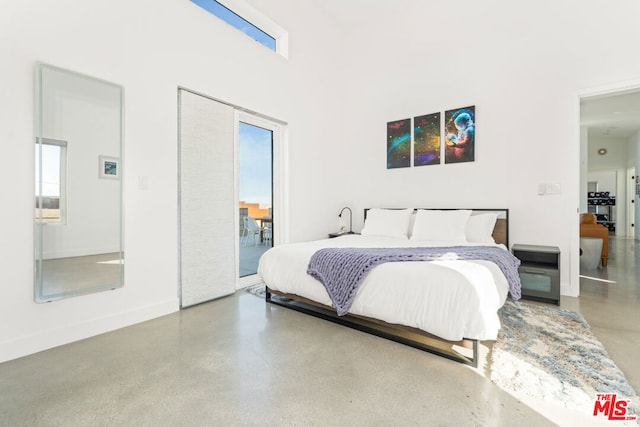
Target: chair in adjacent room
[(590, 228)]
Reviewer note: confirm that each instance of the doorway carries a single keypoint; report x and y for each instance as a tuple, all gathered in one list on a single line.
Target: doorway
[(255, 191), (611, 124), (216, 139), (261, 190), (610, 140)]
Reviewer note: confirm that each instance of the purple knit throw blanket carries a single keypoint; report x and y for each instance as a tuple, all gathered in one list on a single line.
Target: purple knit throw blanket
[(342, 270)]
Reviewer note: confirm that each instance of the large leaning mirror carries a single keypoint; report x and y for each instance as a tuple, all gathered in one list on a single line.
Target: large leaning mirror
[(78, 191)]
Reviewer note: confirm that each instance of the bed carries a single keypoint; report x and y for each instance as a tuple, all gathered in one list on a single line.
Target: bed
[(444, 306)]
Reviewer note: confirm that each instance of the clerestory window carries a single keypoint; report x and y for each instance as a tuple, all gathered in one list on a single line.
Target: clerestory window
[(255, 25)]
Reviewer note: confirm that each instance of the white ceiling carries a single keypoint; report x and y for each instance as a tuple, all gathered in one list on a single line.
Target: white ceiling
[(612, 115)]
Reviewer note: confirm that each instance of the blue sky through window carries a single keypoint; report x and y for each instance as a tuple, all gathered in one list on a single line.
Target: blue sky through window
[(237, 21), (255, 164)]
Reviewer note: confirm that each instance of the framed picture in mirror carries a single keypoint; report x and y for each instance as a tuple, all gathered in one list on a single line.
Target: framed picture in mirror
[(109, 167)]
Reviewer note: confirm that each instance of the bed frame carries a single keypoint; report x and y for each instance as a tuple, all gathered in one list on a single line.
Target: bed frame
[(464, 351)]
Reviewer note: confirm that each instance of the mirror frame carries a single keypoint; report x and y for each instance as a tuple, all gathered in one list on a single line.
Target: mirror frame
[(39, 290)]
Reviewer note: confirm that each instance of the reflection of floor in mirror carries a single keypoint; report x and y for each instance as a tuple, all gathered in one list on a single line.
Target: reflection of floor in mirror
[(74, 273)]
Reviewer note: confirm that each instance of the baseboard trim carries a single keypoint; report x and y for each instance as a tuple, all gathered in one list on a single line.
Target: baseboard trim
[(50, 338)]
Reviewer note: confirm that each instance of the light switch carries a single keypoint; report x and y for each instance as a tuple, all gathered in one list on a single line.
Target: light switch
[(143, 183), (545, 188), (552, 188)]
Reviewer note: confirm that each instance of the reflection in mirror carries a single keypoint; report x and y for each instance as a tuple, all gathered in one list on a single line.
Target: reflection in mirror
[(78, 203)]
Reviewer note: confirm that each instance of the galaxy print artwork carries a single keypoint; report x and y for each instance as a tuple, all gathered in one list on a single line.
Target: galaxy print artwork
[(460, 135), (399, 144), (426, 140)]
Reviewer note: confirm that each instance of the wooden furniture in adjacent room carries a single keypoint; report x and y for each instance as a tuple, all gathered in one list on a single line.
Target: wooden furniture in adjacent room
[(590, 228)]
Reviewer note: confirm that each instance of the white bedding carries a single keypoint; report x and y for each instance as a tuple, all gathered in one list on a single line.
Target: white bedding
[(450, 299)]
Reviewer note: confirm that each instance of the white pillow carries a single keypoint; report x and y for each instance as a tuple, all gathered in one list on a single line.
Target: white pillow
[(387, 222), (480, 228), (450, 226)]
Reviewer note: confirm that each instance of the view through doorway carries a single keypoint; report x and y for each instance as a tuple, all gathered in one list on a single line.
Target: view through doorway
[(611, 124), (255, 192), (610, 137)]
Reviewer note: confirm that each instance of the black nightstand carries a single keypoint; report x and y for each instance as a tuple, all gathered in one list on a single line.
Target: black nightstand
[(539, 272)]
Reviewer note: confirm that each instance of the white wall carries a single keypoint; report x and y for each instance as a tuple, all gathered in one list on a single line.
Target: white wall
[(606, 179), (151, 48), (584, 168), (524, 66)]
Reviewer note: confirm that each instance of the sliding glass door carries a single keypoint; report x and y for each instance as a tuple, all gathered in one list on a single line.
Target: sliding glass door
[(255, 191), (232, 173)]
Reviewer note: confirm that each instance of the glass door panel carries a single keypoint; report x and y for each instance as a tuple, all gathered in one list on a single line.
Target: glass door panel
[(255, 158)]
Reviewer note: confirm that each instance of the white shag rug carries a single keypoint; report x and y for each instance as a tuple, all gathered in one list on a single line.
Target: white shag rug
[(550, 354)]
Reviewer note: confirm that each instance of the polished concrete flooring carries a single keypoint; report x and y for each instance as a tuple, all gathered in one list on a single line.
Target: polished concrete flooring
[(238, 361), (610, 302)]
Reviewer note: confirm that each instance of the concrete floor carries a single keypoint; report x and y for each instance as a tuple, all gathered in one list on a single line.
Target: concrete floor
[(610, 302), (238, 361), (250, 255)]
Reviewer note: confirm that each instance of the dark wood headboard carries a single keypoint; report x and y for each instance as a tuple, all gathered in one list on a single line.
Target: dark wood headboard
[(500, 231)]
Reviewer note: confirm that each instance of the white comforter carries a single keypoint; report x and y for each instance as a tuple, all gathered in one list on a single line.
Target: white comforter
[(450, 299)]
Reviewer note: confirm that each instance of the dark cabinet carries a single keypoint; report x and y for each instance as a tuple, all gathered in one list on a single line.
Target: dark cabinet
[(539, 272)]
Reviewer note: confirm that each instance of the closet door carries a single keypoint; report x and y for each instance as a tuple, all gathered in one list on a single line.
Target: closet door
[(207, 210)]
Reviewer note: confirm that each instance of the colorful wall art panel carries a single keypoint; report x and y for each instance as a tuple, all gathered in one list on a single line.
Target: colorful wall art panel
[(426, 140), (399, 144), (460, 135)]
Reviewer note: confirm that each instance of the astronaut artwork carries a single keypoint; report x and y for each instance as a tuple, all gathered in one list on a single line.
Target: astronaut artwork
[(460, 131)]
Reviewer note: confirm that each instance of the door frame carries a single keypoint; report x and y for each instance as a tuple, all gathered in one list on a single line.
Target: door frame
[(618, 88), (631, 204), (279, 182)]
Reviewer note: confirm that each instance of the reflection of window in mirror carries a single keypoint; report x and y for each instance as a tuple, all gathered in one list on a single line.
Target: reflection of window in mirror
[(51, 197)]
